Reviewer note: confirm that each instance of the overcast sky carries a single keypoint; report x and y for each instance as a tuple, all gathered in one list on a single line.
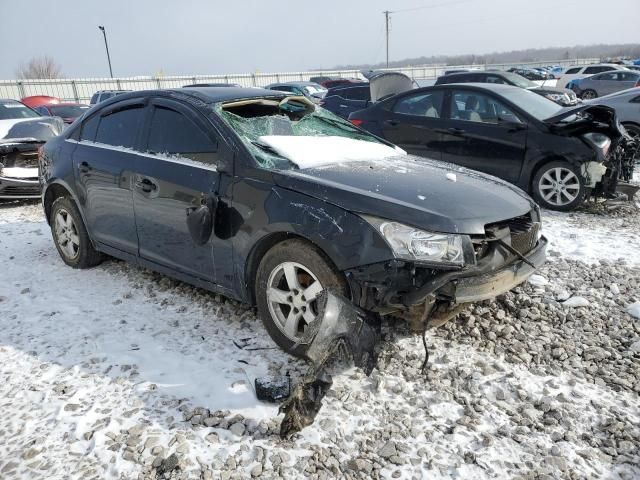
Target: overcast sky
[(239, 36)]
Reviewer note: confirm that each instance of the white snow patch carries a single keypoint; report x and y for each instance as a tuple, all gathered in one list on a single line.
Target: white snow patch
[(452, 177), (576, 302), (634, 309), (309, 152), (422, 197), (538, 280)]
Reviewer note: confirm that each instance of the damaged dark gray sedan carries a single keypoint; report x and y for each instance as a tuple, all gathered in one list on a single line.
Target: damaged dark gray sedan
[(266, 198)]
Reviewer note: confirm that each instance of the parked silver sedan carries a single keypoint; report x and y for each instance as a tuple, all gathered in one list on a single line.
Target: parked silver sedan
[(627, 106), (605, 83)]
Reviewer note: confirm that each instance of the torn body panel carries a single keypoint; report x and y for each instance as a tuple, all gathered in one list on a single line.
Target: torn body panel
[(19, 169)]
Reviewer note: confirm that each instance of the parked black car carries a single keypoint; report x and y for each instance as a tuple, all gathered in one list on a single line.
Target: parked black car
[(531, 73), (269, 199), (559, 155), (22, 132), (562, 96), (311, 90), (346, 99)]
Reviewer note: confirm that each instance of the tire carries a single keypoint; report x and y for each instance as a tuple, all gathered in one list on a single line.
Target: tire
[(634, 131), (286, 311), (588, 94), (559, 180), (70, 235)]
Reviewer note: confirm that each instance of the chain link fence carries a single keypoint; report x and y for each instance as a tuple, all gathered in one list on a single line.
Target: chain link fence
[(81, 89)]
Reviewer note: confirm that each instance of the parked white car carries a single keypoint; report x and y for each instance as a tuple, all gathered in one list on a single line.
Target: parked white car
[(585, 70)]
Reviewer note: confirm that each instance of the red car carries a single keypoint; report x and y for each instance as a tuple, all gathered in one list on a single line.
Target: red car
[(38, 100), (67, 111)]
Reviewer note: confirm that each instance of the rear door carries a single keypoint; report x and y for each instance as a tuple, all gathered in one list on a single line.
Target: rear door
[(414, 121), (103, 163), (603, 83), (483, 134), (176, 175)]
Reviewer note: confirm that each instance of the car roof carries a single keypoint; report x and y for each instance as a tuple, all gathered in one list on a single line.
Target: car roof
[(494, 87), (10, 100), (293, 83), (204, 94)]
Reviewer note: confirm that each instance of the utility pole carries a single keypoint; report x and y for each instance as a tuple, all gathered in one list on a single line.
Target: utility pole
[(106, 46), (386, 23)]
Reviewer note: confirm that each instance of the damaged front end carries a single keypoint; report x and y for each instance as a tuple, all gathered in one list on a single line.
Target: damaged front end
[(609, 174), (19, 169), (428, 296)]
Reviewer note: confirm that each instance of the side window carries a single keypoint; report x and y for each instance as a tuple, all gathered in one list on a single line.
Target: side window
[(282, 88), (477, 107), (174, 134), (572, 71), (495, 79), (89, 128), (120, 128), (357, 94), (628, 76), (42, 111), (590, 70), (421, 105), (605, 76)]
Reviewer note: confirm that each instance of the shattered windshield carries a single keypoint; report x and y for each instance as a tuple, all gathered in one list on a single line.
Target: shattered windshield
[(294, 116)]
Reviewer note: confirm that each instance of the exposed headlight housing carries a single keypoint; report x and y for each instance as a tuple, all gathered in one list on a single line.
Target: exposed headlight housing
[(411, 243), (599, 141), (557, 97)]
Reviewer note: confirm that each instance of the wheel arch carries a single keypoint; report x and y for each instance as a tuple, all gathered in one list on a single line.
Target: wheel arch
[(541, 163), (52, 192), (266, 243)]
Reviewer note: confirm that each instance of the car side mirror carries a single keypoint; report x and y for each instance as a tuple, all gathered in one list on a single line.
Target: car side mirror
[(200, 221)]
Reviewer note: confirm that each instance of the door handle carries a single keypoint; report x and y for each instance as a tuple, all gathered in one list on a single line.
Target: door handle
[(84, 167), (146, 185), (393, 123), (455, 131)]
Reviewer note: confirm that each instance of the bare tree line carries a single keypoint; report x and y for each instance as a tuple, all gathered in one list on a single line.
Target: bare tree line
[(39, 68), (516, 56)]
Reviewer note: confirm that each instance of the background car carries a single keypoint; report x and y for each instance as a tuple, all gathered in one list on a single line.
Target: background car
[(102, 95), (310, 90), (531, 74), (343, 100), (67, 111), (605, 83), (335, 82), (22, 132), (558, 154), (562, 96), (211, 85), (38, 100), (584, 70), (195, 184), (627, 106)]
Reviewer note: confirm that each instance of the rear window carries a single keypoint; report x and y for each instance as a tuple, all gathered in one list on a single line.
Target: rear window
[(572, 71), (68, 111), (15, 110), (120, 128)]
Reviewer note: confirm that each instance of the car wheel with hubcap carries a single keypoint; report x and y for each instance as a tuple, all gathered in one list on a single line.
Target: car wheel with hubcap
[(559, 186), (70, 236), (289, 280), (589, 94)]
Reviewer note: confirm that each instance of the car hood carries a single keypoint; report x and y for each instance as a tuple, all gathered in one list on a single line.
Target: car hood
[(386, 84), (546, 89), (598, 115), (427, 194), (40, 129)]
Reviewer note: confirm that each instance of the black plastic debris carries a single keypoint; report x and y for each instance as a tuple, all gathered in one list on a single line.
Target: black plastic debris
[(342, 333), (273, 389)]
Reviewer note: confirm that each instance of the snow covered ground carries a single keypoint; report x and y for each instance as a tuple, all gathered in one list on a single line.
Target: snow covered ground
[(118, 372)]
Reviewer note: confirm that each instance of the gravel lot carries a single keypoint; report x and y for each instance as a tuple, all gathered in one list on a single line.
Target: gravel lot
[(118, 372)]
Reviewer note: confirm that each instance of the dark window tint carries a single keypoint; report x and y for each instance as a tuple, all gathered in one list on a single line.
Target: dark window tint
[(174, 134), (495, 79), (477, 107), (421, 105), (590, 70), (605, 76), (282, 88), (121, 127), (572, 71), (635, 99), (89, 128), (355, 93), (628, 76), (94, 98)]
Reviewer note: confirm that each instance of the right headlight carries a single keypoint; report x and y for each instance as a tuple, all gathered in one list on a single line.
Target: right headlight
[(412, 243), (599, 141)]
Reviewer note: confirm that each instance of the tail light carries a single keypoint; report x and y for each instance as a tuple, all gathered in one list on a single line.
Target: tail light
[(357, 122)]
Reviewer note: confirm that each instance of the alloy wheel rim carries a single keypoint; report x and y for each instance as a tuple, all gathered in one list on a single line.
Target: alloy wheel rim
[(588, 95), (67, 234), (292, 292), (559, 186)]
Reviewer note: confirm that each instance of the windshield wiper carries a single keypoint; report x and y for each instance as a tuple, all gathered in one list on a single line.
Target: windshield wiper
[(339, 124)]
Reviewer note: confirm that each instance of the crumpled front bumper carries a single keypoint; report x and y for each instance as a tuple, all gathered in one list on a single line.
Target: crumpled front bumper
[(490, 285), (11, 187)]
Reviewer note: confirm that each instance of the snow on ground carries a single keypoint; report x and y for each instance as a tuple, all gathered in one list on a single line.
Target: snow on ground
[(118, 372)]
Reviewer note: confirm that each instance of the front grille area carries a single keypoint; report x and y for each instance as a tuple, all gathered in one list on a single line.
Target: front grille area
[(27, 158), (522, 230), (27, 191)]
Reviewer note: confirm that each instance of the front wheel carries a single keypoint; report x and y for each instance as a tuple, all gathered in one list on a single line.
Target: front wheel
[(588, 94), (70, 236), (559, 186), (289, 280)]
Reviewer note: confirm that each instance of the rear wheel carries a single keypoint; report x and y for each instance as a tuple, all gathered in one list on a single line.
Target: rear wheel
[(289, 280), (70, 236), (559, 186), (588, 94)]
